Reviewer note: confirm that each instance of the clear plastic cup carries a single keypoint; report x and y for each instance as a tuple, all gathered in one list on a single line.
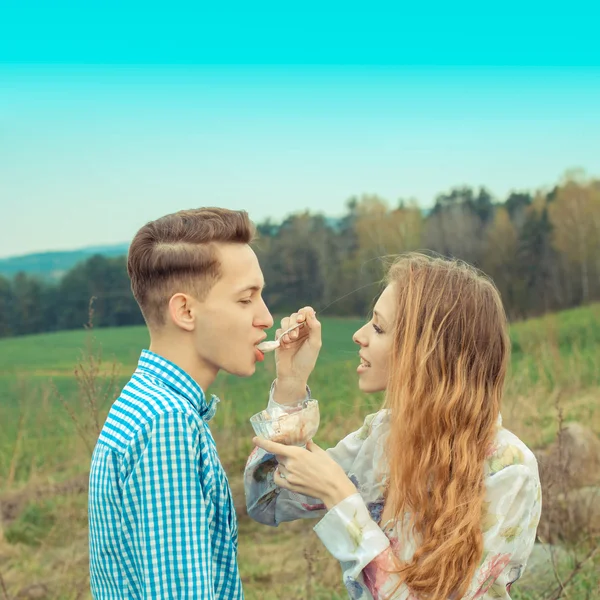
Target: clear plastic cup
[(290, 428)]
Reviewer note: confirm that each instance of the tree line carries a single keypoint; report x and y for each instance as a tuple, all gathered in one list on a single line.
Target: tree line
[(541, 249)]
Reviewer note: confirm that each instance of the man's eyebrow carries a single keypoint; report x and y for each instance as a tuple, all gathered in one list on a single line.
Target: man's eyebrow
[(252, 288)]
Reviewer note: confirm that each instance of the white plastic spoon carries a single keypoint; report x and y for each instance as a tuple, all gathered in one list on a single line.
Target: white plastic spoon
[(273, 345)]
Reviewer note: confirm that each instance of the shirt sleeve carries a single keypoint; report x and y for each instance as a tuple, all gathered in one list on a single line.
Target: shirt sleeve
[(509, 527), (269, 504), (166, 515)]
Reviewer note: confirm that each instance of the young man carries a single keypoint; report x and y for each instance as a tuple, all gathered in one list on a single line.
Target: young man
[(161, 517)]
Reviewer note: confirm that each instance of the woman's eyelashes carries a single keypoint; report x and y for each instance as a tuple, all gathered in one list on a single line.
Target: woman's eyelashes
[(377, 329)]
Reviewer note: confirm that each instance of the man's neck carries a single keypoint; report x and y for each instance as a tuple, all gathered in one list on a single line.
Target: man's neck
[(185, 359)]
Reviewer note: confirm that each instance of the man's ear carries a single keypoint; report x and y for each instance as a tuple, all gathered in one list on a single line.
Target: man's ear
[(181, 311)]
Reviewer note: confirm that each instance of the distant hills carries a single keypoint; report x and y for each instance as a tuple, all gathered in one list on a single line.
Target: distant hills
[(52, 266)]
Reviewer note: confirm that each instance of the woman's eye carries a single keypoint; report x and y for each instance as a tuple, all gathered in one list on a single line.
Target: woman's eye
[(377, 329)]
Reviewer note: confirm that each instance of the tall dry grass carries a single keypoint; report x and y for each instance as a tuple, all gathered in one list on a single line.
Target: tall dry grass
[(43, 478)]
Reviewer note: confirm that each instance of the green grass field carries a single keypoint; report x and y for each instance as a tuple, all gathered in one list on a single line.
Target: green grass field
[(47, 429)]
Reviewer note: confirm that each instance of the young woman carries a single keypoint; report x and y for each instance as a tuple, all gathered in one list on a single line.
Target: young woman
[(431, 498)]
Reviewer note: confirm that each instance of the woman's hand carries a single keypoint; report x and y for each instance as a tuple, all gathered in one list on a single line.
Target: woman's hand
[(297, 355), (310, 471)]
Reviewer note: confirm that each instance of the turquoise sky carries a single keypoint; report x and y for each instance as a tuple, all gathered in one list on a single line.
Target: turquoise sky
[(110, 117)]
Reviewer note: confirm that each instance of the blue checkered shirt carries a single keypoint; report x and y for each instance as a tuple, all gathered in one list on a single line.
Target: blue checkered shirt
[(161, 518)]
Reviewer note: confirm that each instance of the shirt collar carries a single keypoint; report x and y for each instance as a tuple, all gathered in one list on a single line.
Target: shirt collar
[(179, 381)]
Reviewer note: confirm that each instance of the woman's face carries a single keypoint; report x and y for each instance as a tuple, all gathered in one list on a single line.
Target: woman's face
[(375, 341)]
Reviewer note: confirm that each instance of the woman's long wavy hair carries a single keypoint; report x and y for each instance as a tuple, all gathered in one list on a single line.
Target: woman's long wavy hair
[(448, 365)]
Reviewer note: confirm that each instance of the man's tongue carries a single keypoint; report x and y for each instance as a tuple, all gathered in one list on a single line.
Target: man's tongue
[(259, 355)]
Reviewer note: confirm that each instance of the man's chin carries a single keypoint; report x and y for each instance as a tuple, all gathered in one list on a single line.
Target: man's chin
[(249, 372), (239, 371)]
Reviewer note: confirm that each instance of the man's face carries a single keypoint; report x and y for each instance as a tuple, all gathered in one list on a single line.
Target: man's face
[(231, 321)]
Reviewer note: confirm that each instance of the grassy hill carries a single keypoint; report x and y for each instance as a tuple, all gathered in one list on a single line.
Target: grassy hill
[(554, 352), (56, 388)]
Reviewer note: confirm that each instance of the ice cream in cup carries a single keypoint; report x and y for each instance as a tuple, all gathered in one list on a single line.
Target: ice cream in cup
[(294, 427)]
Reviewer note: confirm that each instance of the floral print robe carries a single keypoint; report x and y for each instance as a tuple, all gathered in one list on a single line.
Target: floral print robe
[(352, 531)]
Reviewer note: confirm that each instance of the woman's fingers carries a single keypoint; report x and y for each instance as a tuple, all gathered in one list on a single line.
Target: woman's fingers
[(292, 335), (313, 329), (278, 479), (280, 451), (284, 324), (282, 471), (305, 315)]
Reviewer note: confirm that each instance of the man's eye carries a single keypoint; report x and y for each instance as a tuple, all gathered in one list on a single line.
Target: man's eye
[(246, 301)]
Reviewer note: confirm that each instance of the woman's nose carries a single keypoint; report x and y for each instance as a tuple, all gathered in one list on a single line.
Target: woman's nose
[(358, 338)]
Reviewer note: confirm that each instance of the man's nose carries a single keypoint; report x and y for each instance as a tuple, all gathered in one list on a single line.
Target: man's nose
[(266, 318)]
